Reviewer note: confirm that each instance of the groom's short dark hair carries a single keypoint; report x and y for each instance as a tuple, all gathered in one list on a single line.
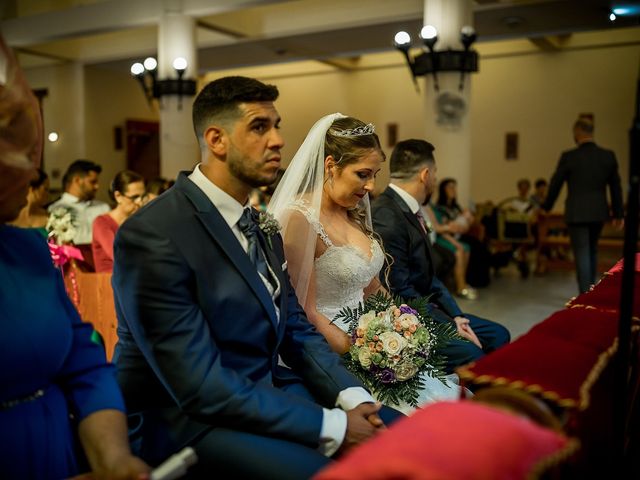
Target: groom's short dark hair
[(409, 157), (218, 100)]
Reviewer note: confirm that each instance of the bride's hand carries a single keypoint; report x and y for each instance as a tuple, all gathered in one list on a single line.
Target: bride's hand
[(465, 330)]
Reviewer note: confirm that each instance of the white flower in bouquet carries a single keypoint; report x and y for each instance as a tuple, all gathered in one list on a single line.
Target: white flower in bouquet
[(392, 343), (61, 225), (364, 320), (407, 320)]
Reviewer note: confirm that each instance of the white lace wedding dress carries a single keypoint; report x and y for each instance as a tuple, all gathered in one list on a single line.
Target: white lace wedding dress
[(342, 274)]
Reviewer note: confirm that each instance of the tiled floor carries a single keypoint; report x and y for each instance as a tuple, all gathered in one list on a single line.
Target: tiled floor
[(519, 303)]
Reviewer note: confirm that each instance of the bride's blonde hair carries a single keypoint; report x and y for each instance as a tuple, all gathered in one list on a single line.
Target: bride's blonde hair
[(347, 141)]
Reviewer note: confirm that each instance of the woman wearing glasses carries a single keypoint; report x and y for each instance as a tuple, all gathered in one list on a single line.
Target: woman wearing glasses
[(127, 190)]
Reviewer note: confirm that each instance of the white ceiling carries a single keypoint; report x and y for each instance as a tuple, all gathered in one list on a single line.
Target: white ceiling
[(233, 33)]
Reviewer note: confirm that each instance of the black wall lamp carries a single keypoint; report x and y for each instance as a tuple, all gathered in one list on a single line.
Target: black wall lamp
[(146, 73), (432, 62)]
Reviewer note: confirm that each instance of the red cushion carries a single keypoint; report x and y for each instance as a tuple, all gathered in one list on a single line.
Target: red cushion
[(590, 328), (452, 440), (618, 266), (551, 366), (605, 295)]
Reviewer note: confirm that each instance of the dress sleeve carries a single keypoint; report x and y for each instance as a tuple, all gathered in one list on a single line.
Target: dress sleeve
[(89, 382), (103, 237)]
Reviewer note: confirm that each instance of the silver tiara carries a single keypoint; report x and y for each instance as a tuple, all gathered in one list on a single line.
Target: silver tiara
[(367, 129)]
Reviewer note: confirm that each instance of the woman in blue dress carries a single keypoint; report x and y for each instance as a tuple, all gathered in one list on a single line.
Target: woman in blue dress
[(58, 396)]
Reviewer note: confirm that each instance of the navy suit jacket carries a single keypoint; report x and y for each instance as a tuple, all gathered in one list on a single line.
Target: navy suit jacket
[(412, 273), (199, 338), (587, 170)]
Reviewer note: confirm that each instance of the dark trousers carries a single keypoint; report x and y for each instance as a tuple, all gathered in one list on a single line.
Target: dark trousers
[(248, 455), (492, 335), (584, 243)]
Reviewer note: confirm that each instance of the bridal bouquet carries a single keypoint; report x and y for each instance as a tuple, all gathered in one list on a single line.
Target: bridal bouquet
[(393, 345)]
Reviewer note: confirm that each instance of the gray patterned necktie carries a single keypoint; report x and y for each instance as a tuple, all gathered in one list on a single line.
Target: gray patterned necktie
[(251, 230)]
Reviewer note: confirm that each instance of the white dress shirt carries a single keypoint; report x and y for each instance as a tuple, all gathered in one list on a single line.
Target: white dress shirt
[(334, 421), (415, 207), (85, 212), (411, 202)]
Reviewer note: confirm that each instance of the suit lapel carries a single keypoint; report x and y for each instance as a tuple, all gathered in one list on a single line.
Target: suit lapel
[(224, 237), (409, 215), (411, 218), (221, 233)]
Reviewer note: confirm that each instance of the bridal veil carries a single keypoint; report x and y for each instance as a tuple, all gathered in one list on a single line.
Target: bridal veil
[(300, 190)]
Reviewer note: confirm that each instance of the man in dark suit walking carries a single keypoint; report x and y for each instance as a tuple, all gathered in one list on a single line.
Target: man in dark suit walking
[(587, 169), (207, 317), (398, 221)]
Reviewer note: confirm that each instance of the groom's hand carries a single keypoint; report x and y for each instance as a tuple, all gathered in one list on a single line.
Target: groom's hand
[(465, 331), (363, 423)]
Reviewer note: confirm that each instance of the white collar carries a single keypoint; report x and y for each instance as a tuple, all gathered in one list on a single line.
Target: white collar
[(230, 209), (66, 197), (411, 202)]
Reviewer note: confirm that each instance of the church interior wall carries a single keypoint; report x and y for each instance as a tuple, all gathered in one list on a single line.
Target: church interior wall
[(520, 88)]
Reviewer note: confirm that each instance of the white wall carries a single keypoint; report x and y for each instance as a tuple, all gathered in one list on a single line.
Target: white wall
[(63, 112), (111, 99)]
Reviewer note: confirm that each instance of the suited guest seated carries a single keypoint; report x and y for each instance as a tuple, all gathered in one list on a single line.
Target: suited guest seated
[(206, 311), (399, 222)]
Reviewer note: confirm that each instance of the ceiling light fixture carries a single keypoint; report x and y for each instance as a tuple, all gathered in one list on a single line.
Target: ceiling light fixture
[(431, 61), (146, 73)]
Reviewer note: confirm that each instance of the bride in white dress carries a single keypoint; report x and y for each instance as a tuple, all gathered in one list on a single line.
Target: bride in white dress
[(334, 258)]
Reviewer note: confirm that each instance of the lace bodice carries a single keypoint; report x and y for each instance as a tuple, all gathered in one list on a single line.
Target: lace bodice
[(342, 271)]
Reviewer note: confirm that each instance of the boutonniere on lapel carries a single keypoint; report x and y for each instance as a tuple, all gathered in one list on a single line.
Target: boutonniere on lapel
[(269, 225)]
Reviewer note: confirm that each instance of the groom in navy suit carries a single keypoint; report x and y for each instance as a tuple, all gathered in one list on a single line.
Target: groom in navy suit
[(214, 350), (398, 220)]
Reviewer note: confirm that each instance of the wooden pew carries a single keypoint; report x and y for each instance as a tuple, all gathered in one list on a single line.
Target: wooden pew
[(93, 297)]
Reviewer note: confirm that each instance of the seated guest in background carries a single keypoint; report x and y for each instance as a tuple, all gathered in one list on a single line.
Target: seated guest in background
[(441, 253), (206, 311), (537, 200), (127, 190), (455, 237), (399, 222), (447, 208), (51, 368), (80, 183), (156, 186), (539, 194), (34, 214), (522, 202)]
